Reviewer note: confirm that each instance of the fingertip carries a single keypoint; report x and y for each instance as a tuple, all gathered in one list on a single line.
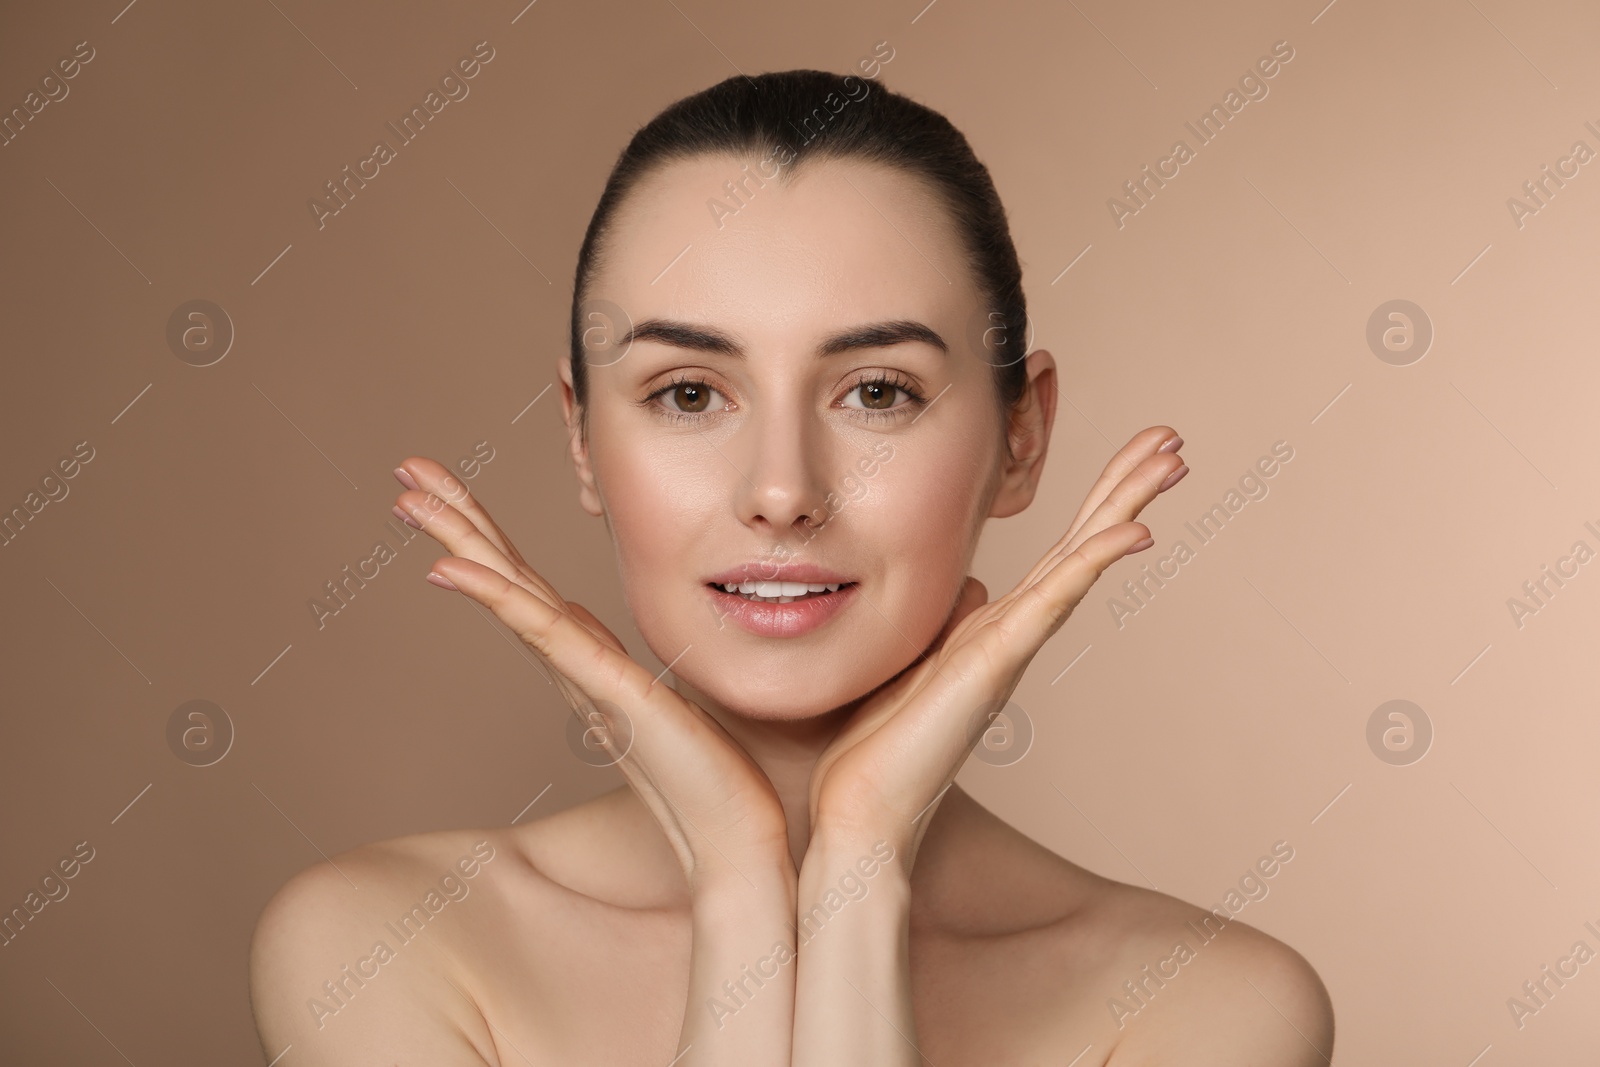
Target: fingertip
[(442, 582)]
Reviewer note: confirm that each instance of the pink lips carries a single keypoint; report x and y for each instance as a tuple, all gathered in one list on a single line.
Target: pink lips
[(763, 571), (769, 619)]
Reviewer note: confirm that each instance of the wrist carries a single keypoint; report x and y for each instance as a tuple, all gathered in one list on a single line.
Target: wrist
[(752, 890), (836, 872)]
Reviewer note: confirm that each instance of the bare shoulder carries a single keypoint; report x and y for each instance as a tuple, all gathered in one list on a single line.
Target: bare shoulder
[(1185, 985), (354, 959), (1082, 961)]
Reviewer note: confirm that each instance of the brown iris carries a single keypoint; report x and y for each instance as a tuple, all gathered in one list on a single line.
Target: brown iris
[(699, 392), (884, 391)]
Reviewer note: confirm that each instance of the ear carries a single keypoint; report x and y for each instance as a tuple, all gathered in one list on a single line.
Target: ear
[(1028, 430), (577, 444)]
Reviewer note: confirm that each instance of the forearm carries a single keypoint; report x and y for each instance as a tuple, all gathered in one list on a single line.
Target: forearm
[(853, 991), (740, 1009)]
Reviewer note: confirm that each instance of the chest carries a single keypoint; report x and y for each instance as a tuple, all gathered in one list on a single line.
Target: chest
[(582, 983)]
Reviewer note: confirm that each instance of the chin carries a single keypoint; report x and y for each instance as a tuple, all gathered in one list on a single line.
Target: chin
[(775, 703)]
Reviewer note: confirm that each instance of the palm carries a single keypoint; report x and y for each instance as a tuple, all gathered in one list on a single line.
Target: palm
[(715, 805), (905, 742)]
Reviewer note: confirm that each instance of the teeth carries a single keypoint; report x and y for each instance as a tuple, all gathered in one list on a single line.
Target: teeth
[(779, 592)]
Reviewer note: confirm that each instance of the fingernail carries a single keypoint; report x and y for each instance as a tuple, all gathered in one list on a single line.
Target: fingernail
[(442, 582), (1173, 478), (400, 513), (1140, 546), (404, 478), (1172, 444)]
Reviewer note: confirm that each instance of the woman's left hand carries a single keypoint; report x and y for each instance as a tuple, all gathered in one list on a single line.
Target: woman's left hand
[(902, 747)]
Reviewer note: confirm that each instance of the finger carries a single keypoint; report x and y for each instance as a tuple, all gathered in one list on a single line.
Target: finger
[(1109, 503), (1139, 448), (1038, 611), (463, 539), (433, 477), (586, 660), (1131, 495)]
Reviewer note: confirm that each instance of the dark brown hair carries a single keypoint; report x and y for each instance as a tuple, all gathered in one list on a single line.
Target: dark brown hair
[(814, 114)]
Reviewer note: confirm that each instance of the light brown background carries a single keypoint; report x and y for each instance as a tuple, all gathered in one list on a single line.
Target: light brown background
[(1225, 716)]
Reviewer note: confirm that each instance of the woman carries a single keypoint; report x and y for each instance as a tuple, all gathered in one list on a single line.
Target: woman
[(797, 356)]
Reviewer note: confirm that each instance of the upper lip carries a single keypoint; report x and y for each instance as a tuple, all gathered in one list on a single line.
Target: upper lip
[(787, 572)]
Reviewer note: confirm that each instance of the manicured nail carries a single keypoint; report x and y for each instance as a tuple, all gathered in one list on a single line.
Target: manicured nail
[(1173, 478), (442, 582), (400, 513), (404, 478), (1172, 444), (1140, 546)]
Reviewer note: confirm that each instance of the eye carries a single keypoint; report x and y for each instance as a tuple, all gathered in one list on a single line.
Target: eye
[(690, 397), (877, 395)]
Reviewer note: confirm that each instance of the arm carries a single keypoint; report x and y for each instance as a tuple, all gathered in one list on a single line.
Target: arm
[(853, 997), (740, 1008)]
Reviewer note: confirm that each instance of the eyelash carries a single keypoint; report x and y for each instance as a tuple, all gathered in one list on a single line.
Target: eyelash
[(893, 379)]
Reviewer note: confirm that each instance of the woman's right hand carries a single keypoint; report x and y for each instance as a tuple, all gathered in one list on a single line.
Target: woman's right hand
[(718, 809)]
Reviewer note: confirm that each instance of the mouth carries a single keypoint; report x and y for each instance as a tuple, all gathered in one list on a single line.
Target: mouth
[(781, 592)]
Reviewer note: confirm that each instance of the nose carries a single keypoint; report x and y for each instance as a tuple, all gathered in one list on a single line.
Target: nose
[(781, 457)]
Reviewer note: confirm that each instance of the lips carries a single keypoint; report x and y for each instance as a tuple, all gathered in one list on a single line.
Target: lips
[(765, 571)]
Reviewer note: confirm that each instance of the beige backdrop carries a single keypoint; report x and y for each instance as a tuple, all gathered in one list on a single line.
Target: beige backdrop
[(1174, 743)]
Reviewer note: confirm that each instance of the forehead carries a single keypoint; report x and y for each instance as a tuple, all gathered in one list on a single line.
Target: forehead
[(844, 240)]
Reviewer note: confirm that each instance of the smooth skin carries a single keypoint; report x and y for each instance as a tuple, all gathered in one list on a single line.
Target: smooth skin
[(771, 802)]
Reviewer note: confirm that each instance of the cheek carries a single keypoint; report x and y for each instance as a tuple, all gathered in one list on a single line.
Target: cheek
[(926, 513), (660, 507)]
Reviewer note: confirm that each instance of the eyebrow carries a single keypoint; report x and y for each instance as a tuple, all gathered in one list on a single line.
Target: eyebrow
[(709, 339)]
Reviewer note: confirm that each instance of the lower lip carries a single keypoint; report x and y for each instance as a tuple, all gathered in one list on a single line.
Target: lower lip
[(771, 619)]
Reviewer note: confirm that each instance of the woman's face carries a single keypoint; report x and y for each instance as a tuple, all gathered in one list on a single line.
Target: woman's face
[(754, 412)]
